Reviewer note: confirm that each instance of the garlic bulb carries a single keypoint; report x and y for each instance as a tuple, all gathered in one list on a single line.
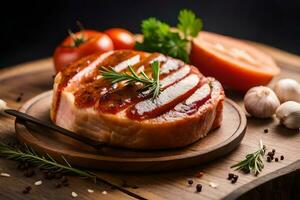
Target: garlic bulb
[(289, 114), (261, 102), (3, 106), (287, 90)]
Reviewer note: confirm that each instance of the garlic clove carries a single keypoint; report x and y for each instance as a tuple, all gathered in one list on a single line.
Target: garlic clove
[(288, 114), (3, 106), (261, 102), (287, 90)]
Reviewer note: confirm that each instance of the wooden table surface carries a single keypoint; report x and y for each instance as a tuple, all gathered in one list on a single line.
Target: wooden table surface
[(278, 179)]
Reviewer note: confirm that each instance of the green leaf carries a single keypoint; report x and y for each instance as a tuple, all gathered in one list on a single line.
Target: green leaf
[(189, 24)]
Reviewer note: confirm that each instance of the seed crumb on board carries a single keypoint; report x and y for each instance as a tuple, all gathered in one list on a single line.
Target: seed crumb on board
[(4, 174), (104, 192), (213, 185), (90, 191), (74, 194), (38, 183)]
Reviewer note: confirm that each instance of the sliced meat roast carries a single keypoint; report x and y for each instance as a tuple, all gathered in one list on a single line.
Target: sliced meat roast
[(188, 107)]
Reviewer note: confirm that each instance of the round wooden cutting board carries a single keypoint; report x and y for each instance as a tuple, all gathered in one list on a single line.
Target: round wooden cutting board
[(218, 143)]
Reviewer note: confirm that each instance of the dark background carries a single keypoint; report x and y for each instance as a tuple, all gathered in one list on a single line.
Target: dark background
[(31, 29)]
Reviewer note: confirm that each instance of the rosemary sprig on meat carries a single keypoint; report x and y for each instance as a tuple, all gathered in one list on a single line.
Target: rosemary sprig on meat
[(253, 161), (151, 86), (41, 161)]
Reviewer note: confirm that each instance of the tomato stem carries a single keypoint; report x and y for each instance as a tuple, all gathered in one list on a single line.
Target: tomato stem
[(77, 40)]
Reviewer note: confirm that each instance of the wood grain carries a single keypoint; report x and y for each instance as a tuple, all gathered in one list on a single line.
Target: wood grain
[(217, 143), (35, 77)]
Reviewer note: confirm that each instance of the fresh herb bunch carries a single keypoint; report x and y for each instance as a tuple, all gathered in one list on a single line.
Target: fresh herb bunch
[(150, 85), (253, 161), (158, 36), (41, 161)]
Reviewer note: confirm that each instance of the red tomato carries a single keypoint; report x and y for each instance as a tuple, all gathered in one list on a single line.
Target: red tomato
[(80, 44), (235, 64), (121, 38)]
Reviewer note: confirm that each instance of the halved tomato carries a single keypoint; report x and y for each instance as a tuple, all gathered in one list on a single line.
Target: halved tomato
[(235, 64)]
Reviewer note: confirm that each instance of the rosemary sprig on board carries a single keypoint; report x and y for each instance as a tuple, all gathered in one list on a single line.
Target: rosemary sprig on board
[(150, 85), (41, 161), (253, 161)]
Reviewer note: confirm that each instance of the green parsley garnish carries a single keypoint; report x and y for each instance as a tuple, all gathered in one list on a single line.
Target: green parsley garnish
[(150, 85), (159, 37), (189, 24)]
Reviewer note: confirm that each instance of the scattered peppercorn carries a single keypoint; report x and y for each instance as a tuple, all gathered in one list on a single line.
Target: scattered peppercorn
[(26, 190), (19, 98), (281, 157), (273, 151), (234, 179), (199, 187), (190, 182), (230, 176), (271, 154), (269, 159), (266, 130), (276, 159)]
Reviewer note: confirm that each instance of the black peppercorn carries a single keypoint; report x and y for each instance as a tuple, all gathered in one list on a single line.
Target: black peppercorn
[(198, 187), (276, 159), (230, 176), (26, 190), (269, 159), (234, 179), (190, 182), (273, 151), (266, 130), (271, 154), (281, 157)]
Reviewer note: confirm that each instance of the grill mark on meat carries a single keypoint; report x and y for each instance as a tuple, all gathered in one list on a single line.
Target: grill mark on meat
[(175, 76), (69, 72), (191, 104), (166, 100), (131, 61)]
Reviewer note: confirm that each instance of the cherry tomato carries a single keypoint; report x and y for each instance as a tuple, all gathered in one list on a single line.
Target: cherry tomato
[(80, 44), (121, 38)]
